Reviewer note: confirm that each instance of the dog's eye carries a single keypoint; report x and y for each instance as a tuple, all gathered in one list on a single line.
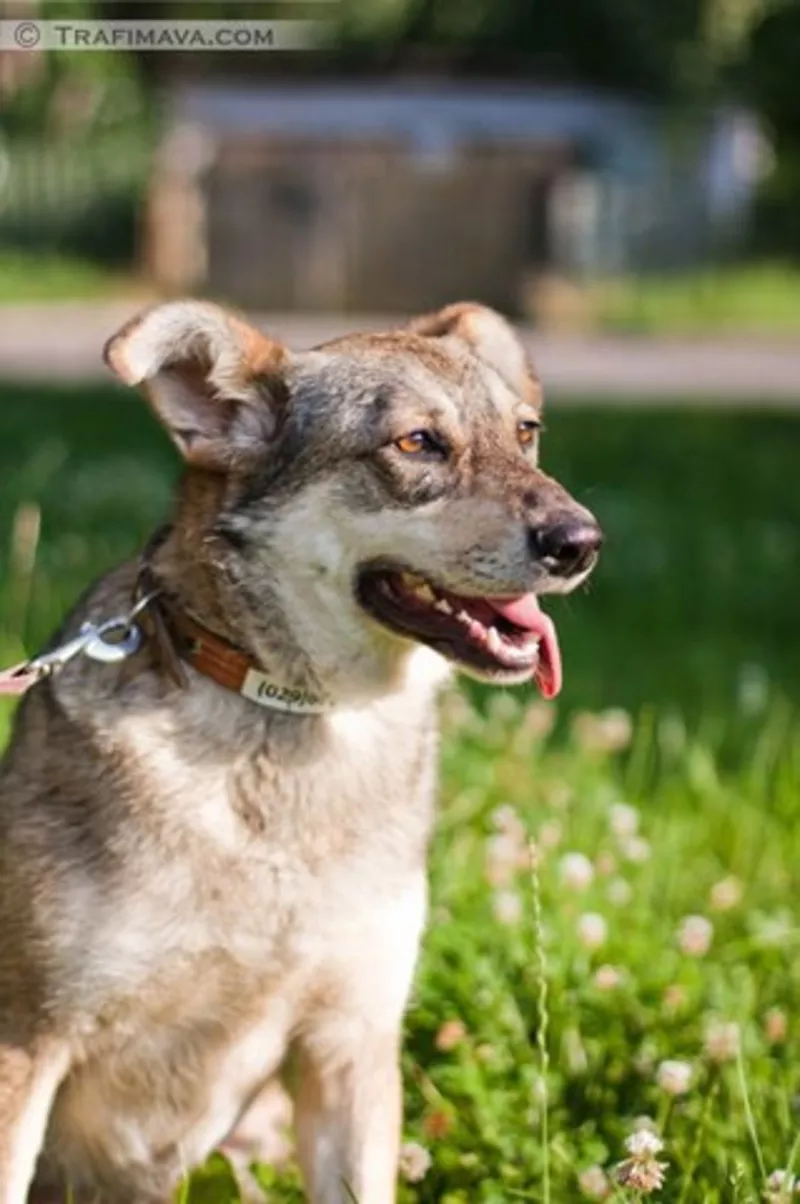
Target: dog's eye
[(418, 443), (527, 431)]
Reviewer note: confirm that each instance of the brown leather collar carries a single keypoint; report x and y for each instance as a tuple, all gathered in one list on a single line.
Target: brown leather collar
[(228, 666), (175, 636), (209, 654)]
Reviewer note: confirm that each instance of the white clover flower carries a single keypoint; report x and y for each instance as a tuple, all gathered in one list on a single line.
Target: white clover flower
[(624, 819), (451, 1034), (539, 720), (776, 1026), (617, 728), (606, 732), (507, 906), (592, 930), (695, 935), (502, 857), (644, 1143), (594, 1183), (505, 819), (675, 996), (636, 849), (577, 871), (726, 894), (780, 1186), (605, 863), (607, 978), (674, 1077), (722, 1039), (414, 1161), (641, 1170)]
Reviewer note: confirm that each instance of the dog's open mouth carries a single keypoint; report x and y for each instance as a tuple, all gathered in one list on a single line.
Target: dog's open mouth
[(504, 639)]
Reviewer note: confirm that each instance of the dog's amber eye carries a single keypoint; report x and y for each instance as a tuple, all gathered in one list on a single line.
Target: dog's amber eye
[(526, 431), (415, 443)]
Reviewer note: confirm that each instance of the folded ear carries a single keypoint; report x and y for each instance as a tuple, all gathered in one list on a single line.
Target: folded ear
[(214, 382), (488, 335)]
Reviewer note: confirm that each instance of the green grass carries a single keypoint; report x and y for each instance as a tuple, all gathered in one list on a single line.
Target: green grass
[(26, 277), (752, 300), (690, 627)]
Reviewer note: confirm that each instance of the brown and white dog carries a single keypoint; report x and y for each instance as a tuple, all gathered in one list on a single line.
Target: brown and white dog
[(212, 855)]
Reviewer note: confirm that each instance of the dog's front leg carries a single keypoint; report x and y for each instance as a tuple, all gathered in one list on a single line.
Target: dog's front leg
[(29, 1079), (348, 1114)]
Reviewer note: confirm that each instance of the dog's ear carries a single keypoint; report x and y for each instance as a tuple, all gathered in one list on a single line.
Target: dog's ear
[(488, 335), (215, 383)]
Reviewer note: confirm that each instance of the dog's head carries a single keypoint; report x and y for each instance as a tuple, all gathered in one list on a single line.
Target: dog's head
[(375, 492)]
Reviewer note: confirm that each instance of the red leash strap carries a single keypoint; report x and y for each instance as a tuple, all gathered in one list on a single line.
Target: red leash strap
[(19, 678)]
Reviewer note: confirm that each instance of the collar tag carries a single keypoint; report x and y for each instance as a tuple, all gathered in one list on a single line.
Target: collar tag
[(267, 693)]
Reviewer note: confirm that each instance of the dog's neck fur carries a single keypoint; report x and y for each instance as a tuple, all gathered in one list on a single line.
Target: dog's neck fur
[(202, 574)]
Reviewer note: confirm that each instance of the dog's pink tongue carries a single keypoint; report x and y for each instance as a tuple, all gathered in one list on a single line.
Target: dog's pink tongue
[(526, 613)]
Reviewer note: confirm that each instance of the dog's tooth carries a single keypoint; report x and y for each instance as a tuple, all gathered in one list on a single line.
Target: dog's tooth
[(443, 605), (522, 654), (464, 616), (493, 642), (425, 593)]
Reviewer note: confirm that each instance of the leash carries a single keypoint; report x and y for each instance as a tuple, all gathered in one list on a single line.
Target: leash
[(109, 642), (174, 637)]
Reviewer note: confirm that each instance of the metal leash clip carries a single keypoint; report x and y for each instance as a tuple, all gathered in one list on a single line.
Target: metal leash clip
[(127, 640), (57, 658), (109, 642)]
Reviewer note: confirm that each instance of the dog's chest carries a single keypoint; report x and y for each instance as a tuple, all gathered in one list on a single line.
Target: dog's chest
[(266, 897), (271, 852)]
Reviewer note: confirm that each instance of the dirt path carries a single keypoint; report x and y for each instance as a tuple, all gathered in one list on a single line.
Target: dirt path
[(63, 342)]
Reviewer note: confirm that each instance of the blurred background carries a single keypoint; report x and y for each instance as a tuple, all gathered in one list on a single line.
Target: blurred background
[(622, 178), (543, 158)]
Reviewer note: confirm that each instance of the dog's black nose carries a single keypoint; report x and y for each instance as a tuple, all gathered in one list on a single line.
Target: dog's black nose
[(568, 547)]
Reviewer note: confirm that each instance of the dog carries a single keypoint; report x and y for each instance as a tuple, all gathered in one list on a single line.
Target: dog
[(212, 850)]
